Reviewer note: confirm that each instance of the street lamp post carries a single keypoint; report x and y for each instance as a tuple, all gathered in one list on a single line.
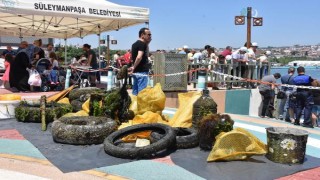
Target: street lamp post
[(257, 21)]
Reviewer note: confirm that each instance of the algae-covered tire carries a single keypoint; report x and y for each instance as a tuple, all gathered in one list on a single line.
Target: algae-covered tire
[(81, 130), (139, 152), (76, 93), (185, 137), (31, 113)]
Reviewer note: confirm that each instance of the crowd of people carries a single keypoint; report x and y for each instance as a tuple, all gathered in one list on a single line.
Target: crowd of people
[(21, 63), (298, 98), (243, 61)]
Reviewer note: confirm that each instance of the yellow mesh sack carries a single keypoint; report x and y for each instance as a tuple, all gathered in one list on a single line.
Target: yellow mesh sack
[(85, 106), (134, 104), (183, 116), (64, 101), (237, 144), (151, 99)]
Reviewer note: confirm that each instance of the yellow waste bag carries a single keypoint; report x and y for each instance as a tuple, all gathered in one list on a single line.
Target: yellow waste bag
[(151, 99), (183, 116), (237, 144), (134, 104), (147, 118), (79, 113), (64, 101), (85, 106)]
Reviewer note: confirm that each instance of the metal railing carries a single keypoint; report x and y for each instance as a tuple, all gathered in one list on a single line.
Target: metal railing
[(247, 71)]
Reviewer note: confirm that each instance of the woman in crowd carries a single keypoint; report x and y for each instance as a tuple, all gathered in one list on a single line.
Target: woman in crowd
[(18, 75), (53, 60)]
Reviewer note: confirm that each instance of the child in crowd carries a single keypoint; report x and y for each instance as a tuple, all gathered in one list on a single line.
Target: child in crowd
[(5, 78), (51, 74)]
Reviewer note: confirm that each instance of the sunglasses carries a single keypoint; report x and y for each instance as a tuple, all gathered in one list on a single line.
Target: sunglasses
[(149, 34)]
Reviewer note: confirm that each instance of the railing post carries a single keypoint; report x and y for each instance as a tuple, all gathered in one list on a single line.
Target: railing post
[(110, 78), (202, 75)]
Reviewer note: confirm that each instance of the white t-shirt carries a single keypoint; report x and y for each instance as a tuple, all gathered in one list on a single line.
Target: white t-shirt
[(237, 56), (251, 55)]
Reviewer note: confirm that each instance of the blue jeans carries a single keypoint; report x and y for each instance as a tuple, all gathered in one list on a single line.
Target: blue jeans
[(284, 105), (304, 102), (139, 82)]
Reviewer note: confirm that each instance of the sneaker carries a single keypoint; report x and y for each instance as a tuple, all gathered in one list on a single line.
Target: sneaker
[(263, 116), (52, 83)]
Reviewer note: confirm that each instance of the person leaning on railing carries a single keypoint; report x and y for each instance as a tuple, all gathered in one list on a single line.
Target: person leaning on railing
[(237, 59), (266, 89)]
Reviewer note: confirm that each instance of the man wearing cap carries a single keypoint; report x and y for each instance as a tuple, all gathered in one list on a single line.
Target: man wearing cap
[(237, 60), (267, 92), (184, 50)]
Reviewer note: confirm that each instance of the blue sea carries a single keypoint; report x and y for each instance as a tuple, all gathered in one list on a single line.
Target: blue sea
[(312, 71)]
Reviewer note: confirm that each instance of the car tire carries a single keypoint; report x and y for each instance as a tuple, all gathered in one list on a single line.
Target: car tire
[(81, 130), (139, 152), (185, 137)]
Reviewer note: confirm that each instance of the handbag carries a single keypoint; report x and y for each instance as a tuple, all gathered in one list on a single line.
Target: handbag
[(34, 78), (281, 95)]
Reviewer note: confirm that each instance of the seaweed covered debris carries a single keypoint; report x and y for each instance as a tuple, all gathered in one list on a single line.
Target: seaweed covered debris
[(117, 101), (212, 125)]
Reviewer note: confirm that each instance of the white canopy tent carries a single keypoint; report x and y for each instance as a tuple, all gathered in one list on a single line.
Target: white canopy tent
[(66, 18)]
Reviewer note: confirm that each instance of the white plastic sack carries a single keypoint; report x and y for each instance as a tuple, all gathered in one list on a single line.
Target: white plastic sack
[(34, 78)]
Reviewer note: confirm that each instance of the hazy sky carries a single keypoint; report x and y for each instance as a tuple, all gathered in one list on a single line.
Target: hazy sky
[(175, 23)]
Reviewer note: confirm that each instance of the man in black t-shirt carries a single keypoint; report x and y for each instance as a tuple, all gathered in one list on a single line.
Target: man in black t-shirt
[(140, 67), (92, 61)]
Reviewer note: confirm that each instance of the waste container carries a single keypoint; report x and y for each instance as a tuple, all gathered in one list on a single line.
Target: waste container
[(286, 145)]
